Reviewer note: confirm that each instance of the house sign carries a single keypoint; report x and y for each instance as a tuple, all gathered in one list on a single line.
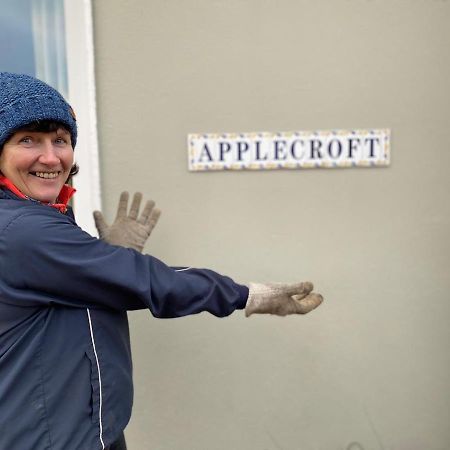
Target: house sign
[(289, 150)]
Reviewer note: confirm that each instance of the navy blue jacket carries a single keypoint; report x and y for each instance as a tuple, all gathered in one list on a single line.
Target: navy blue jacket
[(65, 361)]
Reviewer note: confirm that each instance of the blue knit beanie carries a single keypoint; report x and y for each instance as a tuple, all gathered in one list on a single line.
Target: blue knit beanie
[(24, 99)]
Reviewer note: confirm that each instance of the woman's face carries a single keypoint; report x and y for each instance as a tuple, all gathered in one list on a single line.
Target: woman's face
[(38, 163)]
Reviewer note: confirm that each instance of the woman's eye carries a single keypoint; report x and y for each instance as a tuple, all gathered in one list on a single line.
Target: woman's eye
[(26, 140), (60, 141)]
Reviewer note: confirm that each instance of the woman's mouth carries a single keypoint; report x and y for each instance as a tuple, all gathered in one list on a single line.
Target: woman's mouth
[(46, 175)]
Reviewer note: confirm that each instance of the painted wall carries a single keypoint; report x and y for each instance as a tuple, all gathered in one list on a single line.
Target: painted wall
[(369, 369)]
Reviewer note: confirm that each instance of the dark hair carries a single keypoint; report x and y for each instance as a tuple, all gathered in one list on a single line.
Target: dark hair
[(45, 126)]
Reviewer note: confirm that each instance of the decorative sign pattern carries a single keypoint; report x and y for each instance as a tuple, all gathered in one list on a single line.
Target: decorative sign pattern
[(289, 150)]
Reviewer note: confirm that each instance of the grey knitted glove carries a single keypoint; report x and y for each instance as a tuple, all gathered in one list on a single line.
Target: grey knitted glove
[(281, 299), (128, 230)]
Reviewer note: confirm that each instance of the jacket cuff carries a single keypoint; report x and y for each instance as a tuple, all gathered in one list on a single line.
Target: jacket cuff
[(243, 293)]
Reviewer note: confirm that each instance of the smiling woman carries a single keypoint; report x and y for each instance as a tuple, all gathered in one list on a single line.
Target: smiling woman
[(65, 361), (36, 139), (38, 162)]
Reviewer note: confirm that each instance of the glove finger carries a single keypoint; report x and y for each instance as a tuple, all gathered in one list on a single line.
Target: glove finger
[(123, 205), (100, 223), (306, 304), (135, 205), (143, 219), (153, 219), (303, 288)]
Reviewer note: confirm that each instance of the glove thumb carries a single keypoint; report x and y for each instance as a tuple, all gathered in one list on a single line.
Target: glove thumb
[(100, 223)]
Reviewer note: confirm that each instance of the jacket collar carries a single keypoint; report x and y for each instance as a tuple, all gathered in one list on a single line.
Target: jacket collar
[(63, 198)]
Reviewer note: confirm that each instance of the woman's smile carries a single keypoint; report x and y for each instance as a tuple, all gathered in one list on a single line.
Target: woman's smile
[(46, 175)]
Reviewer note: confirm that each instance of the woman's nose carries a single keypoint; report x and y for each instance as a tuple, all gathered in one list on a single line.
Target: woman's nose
[(48, 154)]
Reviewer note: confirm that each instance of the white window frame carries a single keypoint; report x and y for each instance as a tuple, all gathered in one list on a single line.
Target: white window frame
[(81, 96)]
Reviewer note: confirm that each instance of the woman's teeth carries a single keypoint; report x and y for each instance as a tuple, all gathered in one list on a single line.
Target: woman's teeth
[(46, 174)]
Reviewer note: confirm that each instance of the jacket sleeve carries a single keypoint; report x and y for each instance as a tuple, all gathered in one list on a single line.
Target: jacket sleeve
[(48, 260)]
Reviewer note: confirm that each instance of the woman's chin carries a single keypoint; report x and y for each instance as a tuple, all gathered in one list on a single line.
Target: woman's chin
[(45, 191), (46, 196)]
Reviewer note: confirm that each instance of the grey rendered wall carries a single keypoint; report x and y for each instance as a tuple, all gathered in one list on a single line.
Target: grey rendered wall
[(369, 369)]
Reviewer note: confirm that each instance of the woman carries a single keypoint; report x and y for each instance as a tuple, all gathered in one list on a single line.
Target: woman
[(65, 362)]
